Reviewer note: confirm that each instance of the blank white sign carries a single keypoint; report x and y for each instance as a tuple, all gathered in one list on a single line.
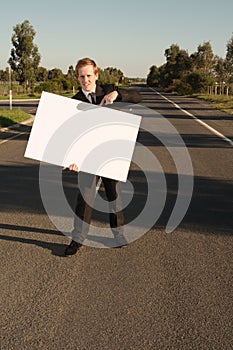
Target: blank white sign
[(99, 140)]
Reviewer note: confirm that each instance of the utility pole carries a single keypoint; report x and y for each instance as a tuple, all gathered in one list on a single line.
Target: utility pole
[(10, 91)]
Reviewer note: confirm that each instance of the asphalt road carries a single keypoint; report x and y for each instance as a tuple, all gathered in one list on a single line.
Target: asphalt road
[(164, 291), (29, 106)]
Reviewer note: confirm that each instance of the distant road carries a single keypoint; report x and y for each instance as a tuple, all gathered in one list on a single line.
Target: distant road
[(28, 106), (163, 291)]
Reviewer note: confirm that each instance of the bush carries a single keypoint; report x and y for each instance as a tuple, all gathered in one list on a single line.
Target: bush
[(183, 88), (170, 88), (66, 84), (50, 86), (55, 85), (198, 81)]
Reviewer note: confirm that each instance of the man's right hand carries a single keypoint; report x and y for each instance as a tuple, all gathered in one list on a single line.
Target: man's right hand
[(72, 167)]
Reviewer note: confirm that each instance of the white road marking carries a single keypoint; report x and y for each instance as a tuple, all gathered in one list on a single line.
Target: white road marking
[(214, 131), (7, 129), (12, 137)]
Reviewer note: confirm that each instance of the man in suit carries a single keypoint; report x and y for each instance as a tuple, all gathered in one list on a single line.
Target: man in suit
[(92, 92)]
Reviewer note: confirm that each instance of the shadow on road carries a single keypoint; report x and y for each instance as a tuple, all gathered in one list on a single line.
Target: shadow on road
[(15, 130), (29, 229), (190, 140), (55, 248), (210, 208)]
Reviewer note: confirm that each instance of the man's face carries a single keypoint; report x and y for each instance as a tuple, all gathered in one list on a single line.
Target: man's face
[(87, 77)]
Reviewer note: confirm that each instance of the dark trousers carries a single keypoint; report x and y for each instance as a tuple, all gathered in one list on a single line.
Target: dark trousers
[(84, 207)]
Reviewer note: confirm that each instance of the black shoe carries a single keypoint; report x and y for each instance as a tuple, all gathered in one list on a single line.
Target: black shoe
[(72, 248), (121, 246)]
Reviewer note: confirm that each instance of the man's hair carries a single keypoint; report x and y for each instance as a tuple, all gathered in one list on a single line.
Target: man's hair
[(85, 62)]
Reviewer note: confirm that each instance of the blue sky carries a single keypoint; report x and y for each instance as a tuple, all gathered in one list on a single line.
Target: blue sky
[(130, 35)]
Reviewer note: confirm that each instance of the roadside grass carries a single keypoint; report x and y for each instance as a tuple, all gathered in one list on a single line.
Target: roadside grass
[(21, 97), (35, 96), (10, 117), (222, 102)]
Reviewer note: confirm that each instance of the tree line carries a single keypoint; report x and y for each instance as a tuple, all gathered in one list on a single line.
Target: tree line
[(24, 67), (200, 72)]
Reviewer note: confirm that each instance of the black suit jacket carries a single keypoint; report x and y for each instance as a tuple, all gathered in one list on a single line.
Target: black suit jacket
[(124, 95)]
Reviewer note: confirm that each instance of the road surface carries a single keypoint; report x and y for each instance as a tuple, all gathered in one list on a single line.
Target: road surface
[(165, 291)]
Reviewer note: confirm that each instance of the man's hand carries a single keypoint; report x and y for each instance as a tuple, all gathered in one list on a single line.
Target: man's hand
[(72, 167), (109, 98)]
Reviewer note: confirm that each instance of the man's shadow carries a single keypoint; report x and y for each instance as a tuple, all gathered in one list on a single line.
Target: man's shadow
[(56, 249)]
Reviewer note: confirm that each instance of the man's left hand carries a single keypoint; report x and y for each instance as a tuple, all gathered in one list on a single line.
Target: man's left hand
[(109, 98)]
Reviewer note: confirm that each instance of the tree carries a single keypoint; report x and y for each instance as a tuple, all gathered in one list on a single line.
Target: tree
[(110, 75), (4, 75), (115, 75), (55, 73), (203, 58), (71, 76), (219, 68), (229, 61), (199, 81), (182, 64), (25, 57), (153, 76), (42, 74), (178, 63), (171, 53), (164, 76), (104, 76), (199, 72)]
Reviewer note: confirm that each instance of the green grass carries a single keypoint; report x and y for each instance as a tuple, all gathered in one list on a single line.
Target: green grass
[(34, 96), (21, 96), (10, 117), (222, 102)]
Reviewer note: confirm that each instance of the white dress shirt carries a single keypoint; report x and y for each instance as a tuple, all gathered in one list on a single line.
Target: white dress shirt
[(86, 93)]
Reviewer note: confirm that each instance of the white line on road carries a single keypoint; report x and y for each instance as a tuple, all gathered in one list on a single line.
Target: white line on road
[(6, 129), (214, 131), (12, 137)]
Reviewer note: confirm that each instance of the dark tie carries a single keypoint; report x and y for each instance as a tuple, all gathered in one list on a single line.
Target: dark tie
[(92, 96)]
